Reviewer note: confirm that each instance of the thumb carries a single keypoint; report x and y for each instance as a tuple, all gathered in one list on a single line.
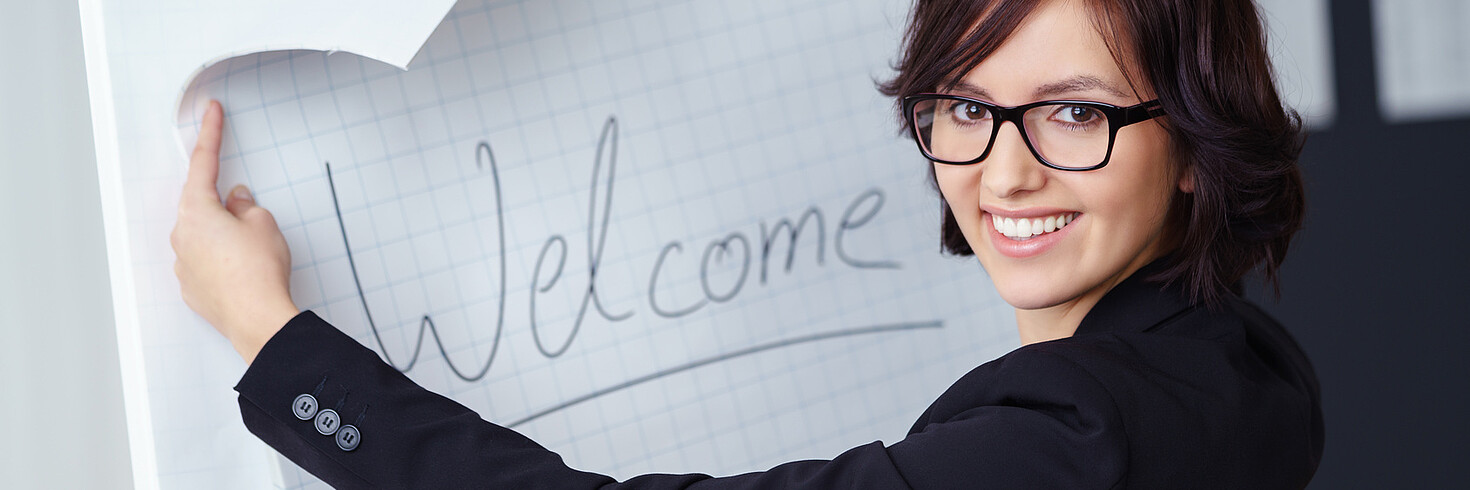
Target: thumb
[(239, 201)]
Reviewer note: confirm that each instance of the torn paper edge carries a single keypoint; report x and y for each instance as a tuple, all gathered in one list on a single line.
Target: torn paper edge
[(188, 101), (400, 59)]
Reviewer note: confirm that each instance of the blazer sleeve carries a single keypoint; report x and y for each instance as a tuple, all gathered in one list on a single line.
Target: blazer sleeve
[(366, 425)]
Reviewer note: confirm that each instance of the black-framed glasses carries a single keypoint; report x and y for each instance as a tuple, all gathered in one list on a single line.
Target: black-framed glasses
[(1062, 134)]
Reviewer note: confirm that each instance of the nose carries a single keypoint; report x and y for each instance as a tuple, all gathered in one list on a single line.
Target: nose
[(1011, 170)]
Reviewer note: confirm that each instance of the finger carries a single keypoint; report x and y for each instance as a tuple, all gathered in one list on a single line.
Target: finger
[(204, 163), (261, 218), (239, 201)]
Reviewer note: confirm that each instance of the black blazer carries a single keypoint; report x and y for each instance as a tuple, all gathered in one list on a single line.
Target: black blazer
[(1151, 392)]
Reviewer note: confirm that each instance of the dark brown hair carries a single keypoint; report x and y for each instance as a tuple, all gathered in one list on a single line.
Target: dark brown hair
[(1206, 61)]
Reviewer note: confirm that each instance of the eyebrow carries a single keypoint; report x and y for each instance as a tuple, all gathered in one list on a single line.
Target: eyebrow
[(1079, 83), (971, 90)]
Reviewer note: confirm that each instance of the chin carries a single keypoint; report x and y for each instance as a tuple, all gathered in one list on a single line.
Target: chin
[(1030, 284), (1031, 295)]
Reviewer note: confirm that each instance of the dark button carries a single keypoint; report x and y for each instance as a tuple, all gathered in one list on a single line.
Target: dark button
[(348, 438), (326, 421), (304, 407)]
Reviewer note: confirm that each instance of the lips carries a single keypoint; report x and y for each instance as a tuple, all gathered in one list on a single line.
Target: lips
[(1028, 233)]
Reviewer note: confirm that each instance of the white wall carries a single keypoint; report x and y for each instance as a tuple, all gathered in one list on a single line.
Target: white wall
[(61, 412)]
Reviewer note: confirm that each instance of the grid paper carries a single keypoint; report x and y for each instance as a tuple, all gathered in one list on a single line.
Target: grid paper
[(714, 121)]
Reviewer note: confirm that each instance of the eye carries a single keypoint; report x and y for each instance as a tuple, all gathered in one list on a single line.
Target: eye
[(1077, 114), (968, 111)]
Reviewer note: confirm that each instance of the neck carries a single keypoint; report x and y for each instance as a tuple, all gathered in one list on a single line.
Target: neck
[(1056, 322)]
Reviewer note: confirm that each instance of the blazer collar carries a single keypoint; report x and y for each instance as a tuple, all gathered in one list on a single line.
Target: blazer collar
[(1136, 304)]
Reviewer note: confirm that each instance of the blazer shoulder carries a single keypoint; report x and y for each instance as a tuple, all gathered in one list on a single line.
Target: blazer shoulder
[(1034, 418), (1039, 376)]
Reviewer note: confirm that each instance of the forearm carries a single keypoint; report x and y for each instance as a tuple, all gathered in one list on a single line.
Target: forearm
[(409, 437)]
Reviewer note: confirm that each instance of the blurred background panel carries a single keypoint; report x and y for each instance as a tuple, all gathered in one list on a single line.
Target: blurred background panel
[(1422, 54), (1375, 286), (1300, 33)]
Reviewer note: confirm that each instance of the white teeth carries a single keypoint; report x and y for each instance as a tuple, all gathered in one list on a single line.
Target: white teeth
[(1024, 228)]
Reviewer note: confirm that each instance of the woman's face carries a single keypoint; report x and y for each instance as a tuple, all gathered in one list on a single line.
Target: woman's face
[(1117, 212)]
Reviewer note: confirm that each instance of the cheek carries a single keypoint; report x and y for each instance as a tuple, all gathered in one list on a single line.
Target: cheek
[(1137, 196), (1129, 221), (957, 184)]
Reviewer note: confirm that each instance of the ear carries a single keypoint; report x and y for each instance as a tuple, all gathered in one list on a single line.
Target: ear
[(1186, 180)]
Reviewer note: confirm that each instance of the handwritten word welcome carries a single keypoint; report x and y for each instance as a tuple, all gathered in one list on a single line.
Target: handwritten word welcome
[(858, 213)]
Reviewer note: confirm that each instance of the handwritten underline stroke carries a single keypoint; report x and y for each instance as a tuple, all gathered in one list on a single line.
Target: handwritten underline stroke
[(885, 328)]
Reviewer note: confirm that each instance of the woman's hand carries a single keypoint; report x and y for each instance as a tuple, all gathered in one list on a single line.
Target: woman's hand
[(233, 265)]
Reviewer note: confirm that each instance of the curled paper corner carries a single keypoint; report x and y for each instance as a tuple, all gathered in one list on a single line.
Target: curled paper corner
[(391, 32)]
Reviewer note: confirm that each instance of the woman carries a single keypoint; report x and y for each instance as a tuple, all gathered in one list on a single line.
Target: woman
[(1116, 167)]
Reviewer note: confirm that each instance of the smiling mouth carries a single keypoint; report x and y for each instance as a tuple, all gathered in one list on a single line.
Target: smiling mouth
[(1028, 228)]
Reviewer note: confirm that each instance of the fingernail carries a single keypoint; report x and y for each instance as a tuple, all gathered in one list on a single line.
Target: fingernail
[(241, 193)]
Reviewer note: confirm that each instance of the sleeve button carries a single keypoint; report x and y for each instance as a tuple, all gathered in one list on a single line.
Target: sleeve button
[(326, 421), (348, 438), (304, 407)]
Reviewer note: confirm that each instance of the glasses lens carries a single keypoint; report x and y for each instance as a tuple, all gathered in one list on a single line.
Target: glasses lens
[(952, 130), (1069, 135)]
